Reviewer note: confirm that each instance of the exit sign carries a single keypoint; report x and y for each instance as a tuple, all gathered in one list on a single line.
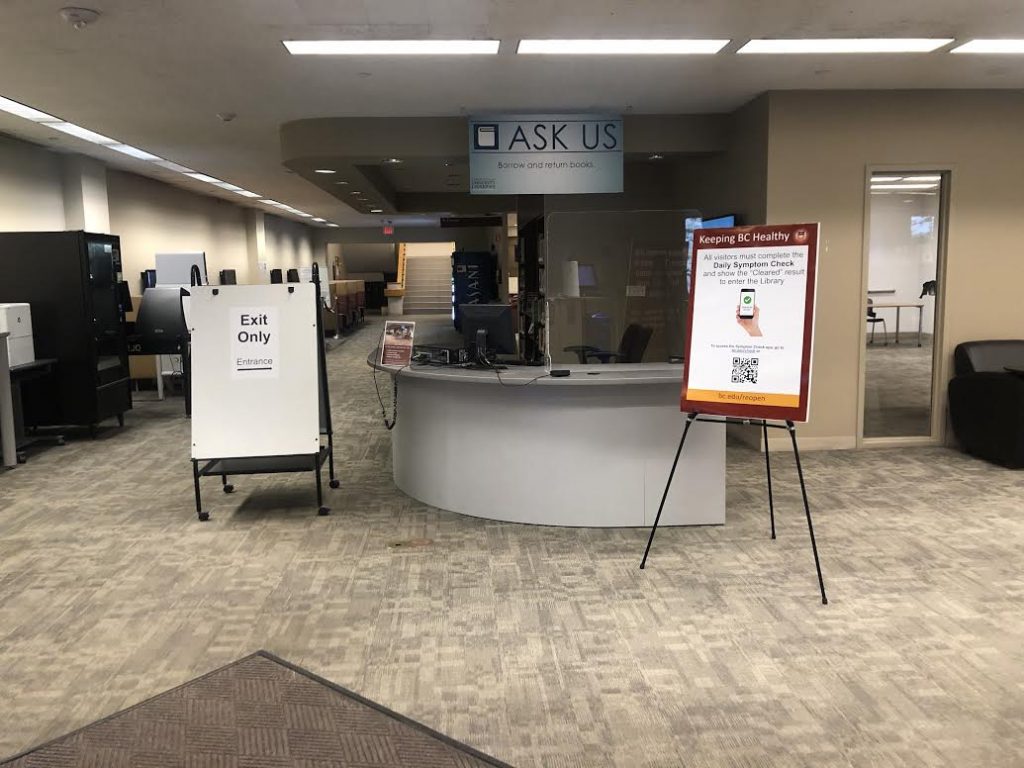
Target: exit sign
[(389, 229)]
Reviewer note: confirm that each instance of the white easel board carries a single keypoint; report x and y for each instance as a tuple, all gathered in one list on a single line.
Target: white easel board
[(255, 390), (175, 269)]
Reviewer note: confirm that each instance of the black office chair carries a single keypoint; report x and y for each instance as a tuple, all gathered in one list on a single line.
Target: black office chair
[(874, 320), (632, 347), (928, 288)]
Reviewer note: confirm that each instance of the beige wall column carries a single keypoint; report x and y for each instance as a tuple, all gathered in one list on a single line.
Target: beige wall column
[(85, 194), (256, 248)]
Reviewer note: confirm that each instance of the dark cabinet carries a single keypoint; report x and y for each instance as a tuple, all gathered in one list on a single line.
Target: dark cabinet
[(73, 282)]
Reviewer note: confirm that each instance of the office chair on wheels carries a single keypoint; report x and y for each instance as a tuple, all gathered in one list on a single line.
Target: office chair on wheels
[(631, 348)]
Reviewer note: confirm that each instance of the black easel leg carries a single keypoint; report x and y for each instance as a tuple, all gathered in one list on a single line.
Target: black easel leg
[(807, 509), (768, 467), (186, 370), (330, 459), (321, 509), (199, 499), (654, 529)]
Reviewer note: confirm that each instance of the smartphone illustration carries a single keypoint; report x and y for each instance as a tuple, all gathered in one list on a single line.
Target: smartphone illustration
[(747, 303)]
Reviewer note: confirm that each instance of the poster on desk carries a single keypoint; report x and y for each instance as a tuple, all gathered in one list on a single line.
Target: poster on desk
[(751, 328), (398, 340)]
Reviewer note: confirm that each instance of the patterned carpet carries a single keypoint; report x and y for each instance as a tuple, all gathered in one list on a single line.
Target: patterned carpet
[(541, 646), (898, 389)]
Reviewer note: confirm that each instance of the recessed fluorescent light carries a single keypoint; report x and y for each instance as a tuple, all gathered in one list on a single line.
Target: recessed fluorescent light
[(303, 215), (227, 186), (922, 178), (135, 152), (331, 224), (391, 47), (82, 133), (878, 179), (245, 193), (903, 186), (376, 210), (318, 220), (174, 167), (16, 108), (270, 202), (324, 170), (393, 161), (341, 183), (620, 47), (204, 177), (991, 46), (846, 45)]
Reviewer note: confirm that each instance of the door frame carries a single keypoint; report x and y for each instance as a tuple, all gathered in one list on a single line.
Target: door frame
[(940, 365)]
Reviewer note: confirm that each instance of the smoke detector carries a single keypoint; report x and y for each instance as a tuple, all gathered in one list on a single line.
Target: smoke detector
[(79, 18)]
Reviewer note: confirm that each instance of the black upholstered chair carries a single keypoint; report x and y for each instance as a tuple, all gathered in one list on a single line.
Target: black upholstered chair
[(986, 400), (631, 348)]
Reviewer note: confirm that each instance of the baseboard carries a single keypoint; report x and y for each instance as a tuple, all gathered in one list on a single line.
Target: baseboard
[(781, 442)]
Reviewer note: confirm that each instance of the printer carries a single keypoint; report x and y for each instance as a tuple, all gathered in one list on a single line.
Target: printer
[(16, 320)]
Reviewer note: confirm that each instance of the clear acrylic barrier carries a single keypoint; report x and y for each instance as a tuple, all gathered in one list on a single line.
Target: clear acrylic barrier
[(616, 284)]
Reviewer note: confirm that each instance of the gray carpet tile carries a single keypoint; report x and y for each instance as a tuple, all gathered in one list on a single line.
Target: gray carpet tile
[(898, 388), (541, 646)]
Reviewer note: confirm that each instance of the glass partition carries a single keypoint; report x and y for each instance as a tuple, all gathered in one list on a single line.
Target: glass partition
[(616, 286)]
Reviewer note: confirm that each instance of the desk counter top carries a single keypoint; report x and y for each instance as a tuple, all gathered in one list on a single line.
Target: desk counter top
[(523, 375)]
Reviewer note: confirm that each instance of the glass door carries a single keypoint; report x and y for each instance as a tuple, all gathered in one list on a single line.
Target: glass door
[(903, 289), (108, 324)]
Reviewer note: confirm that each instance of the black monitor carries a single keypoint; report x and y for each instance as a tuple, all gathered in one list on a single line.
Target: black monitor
[(488, 328), (160, 327)]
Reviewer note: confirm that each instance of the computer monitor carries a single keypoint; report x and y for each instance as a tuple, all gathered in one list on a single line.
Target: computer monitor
[(719, 222), (488, 328), (588, 276), (160, 327)]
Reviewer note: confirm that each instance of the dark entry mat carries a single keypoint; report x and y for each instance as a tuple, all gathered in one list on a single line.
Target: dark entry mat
[(258, 712)]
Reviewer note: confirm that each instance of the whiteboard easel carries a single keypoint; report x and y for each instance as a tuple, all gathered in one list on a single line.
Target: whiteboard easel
[(258, 385)]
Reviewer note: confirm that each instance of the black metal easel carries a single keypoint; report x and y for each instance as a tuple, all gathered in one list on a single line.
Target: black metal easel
[(765, 426)]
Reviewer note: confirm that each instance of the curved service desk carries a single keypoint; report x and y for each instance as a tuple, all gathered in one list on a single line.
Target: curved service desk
[(591, 449)]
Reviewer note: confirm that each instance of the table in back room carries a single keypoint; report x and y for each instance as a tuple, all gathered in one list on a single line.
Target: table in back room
[(898, 305)]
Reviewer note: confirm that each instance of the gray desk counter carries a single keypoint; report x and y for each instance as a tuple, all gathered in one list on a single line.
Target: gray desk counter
[(590, 449)]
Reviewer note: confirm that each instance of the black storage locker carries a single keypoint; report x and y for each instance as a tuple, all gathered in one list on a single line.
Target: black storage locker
[(72, 280)]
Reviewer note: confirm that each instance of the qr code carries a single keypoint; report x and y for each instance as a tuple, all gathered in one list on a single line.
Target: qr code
[(744, 370)]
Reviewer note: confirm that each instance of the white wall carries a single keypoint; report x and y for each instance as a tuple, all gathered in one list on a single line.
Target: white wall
[(151, 217), (31, 188), (289, 245), (42, 190), (900, 261), (417, 250)]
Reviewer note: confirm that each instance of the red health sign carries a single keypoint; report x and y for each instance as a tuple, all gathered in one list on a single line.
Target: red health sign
[(751, 322)]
